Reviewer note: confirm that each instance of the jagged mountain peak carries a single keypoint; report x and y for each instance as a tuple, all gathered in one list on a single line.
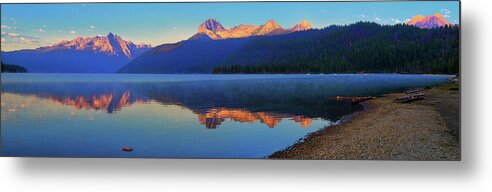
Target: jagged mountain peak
[(269, 28), (110, 35), (417, 18), (111, 44), (212, 25), (439, 16), (272, 22), (302, 26), (213, 29), (304, 22), (211, 20)]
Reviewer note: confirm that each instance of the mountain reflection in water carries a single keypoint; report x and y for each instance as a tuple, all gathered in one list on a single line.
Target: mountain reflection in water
[(266, 100), (213, 102), (189, 116), (214, 117), (211, 105), (108, 102)]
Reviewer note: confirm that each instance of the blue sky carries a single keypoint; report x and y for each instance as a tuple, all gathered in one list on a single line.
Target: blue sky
[(26, 26)]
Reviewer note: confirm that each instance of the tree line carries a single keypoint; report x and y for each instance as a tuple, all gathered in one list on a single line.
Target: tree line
[(12, 68), (360, 47)]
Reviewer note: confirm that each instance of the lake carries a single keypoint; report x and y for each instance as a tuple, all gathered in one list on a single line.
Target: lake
[(178, 116)]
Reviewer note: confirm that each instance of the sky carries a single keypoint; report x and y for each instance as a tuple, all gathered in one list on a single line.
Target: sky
[(28, 26)]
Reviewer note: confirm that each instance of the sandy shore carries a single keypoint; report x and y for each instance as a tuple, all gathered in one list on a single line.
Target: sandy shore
[(387, 130)]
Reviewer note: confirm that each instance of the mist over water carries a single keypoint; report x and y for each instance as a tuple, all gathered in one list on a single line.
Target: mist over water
[(189, 116)]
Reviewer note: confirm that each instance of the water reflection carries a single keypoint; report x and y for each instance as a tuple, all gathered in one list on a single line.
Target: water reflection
[(213, 102), (210, 118), (214, 117), (108, 102), (269, 100)]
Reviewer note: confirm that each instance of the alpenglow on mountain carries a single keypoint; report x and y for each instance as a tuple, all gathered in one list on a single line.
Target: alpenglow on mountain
[(110, 45), (213, 29), (99, 54), (214, 48), (359, 47), (431, 21)]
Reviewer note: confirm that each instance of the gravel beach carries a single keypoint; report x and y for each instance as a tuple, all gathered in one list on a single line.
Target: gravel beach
[(387, 130)]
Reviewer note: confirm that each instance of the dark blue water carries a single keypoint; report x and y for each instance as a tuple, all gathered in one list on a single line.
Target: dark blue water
[(177, 116)]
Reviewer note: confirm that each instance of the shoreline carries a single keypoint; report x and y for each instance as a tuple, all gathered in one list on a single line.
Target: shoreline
[(386, 130)]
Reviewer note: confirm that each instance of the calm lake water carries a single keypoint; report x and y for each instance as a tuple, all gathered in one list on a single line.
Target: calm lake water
[(177, 116)]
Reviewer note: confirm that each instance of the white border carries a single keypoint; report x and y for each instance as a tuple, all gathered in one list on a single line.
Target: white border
[(473, 173)]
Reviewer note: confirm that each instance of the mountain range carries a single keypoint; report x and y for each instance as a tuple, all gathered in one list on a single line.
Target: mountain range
[(215, 30), (359, 47), (214, 47), (111, 45), (97, 54)]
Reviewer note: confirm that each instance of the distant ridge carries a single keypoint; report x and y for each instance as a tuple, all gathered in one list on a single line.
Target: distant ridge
[(359, 47), (111, 45), (214, 29), (99, 54), (431, 21)]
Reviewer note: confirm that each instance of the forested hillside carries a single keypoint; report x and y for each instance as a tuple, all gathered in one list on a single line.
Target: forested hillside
[(360, 47), (12, 68)]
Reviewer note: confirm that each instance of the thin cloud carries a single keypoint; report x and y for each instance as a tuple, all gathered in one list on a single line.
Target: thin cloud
[(8, 41), (26, 40), (445, 12), (13, 34), (16, 35), (396, 21), (72, 32), (41, 30), (376, 18), (7, 27), (21, 40)]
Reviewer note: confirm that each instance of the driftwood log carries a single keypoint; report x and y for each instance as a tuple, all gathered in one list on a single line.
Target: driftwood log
[(454, 79), (127, 149), (354, 100), (411, 98), (413, 91)]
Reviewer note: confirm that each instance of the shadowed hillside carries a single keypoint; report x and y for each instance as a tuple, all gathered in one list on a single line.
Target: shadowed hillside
[(100, 54), (359, 47), (12, 68)]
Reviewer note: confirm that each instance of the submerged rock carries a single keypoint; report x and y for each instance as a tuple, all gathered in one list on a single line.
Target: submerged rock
[(127, 149)]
